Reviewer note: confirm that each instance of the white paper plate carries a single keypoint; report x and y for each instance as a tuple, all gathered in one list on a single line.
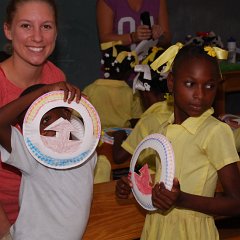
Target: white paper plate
[(163, 147), (49, 157)]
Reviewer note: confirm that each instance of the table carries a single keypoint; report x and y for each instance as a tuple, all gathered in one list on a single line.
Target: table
[(113, 218)]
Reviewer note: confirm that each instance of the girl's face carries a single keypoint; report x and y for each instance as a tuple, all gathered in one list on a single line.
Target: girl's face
[(194, 88), (33, 32)]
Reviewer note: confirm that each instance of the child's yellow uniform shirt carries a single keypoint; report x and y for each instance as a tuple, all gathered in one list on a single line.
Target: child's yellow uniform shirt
[(202, 145), (115, 102), (149, 123)]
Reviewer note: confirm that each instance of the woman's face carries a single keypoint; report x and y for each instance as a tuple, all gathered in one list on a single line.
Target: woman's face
[(33, 32)]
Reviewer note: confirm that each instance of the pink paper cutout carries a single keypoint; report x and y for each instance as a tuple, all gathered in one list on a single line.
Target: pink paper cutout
[(61, 142), (143, 180)]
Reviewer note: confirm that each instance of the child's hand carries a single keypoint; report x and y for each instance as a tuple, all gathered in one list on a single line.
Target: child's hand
[(123, 188), (164, 199), (70, 90)]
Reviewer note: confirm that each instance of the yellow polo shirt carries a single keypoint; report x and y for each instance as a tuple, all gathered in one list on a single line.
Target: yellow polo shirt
[(202, 146), (115, 102)]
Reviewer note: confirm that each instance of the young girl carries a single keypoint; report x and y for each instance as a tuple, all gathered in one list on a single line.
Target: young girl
[(204, 152), (31, 27)]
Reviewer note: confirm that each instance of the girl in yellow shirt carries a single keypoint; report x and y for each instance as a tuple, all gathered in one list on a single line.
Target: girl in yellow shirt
[(204, 152)]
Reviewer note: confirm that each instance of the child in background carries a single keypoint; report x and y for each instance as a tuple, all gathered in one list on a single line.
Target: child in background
[(204, 152), (112, 97), (153, 94), (54, 203)]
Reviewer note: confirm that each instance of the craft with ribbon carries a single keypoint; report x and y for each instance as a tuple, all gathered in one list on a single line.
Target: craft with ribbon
[(141, 183), (60, 152)]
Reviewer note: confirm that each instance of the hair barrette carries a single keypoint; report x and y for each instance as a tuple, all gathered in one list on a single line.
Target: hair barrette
[(107, 45), (122, 55), (166, 58), (216, 52), (150, 58)]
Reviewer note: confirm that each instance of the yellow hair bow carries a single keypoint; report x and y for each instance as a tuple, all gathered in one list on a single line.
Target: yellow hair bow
[(122, 55), (106, 45), (216, 52), (152, 55), (167, 57)]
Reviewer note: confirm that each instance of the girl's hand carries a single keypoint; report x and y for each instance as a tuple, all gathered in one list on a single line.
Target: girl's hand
[(142, 33), (70, 91), (164, 199), (157, 32), (123, 188)]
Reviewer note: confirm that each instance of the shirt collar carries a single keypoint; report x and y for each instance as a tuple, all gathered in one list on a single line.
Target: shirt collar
[(191, 124), (163, 105)]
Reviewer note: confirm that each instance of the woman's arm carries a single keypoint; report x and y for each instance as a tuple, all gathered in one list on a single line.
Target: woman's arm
[(161, 30), (105, 18)]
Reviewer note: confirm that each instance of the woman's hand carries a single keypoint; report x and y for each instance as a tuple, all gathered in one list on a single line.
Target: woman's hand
[(143, 32), (164, 199)]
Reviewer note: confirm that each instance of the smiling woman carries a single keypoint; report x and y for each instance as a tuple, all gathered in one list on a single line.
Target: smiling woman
[(31, 27)]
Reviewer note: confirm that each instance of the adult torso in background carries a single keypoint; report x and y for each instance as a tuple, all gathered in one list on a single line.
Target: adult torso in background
[(127, 13)]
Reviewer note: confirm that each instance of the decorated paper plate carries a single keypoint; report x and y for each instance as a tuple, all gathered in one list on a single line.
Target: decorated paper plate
[(109, 139), (142, 187), (227, 118), (61, 151)]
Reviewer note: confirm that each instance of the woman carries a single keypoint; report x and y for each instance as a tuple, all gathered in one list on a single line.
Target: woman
[(120, 20), (31, 26)]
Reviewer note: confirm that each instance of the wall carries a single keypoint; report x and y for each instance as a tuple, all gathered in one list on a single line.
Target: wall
[(77, 51), (191, 16)]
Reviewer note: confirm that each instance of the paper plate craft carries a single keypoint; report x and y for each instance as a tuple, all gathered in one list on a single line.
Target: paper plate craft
[(61, 151), (142, 184), (227, 117), (109, 139)]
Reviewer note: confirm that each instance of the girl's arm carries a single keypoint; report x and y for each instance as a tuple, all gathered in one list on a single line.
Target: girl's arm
[(10, 112), (227, 204), (105, 18), (120, 155)]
